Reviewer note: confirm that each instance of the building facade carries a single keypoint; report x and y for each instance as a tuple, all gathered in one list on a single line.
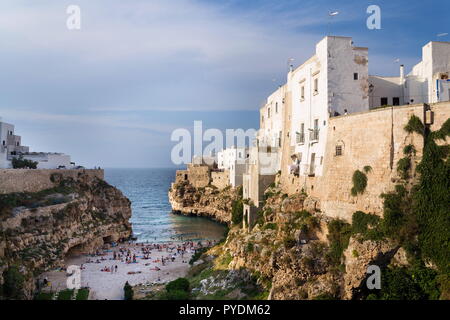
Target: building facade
[(11, 147)]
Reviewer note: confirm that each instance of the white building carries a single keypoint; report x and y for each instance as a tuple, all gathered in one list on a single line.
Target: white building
[(428, 82), (332, 82), (11, 147), (233, 160), (47, 160)]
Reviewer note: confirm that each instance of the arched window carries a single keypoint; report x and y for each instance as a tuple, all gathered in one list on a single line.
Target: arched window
[(339, 148)]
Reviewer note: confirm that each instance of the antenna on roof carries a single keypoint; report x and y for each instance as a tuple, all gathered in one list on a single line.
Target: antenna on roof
[(290, 65), (440, 35), (331, 14)]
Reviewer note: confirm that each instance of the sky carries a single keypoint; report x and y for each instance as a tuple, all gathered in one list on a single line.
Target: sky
[(111, 93)]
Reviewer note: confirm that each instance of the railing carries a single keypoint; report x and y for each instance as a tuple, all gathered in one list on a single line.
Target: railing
[(314, 135), (300, 138)]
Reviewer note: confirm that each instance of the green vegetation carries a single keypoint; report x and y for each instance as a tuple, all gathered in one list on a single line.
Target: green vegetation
[(13, 283), (128, 291), (368, 225), (403, 167), (415, 125), (44, 296), (339, 233), (359, 183), (178, 289), (418, 220), (237, 211), (431, 200), (82, 294), (21, 163), (34, 200), (66, 294), (196, 256)]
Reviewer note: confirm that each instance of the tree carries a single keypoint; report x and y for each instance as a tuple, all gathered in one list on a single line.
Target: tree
[(21, 163)]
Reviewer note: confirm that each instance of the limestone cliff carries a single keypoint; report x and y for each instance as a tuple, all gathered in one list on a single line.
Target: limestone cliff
[(39, 229), (207, 202)]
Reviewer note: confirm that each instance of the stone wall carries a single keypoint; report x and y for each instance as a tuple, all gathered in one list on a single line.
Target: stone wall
[(374, 139), (25, 180), (220, 179)]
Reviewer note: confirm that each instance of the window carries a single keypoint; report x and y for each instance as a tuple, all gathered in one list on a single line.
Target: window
[(338, 151), (4, 142), (396, 101), (17, 144), (268, 113), (314, 134), (276, 107), (355, 76), (262, 118), (384, 101), (316, 85), (302, 92)]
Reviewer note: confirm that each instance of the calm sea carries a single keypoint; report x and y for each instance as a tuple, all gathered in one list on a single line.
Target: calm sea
[(152, 219)]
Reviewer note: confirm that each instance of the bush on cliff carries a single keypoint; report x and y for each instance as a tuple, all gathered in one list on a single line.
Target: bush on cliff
[(128, 291), (339, 233), (13, 284), (237, 211), (178, 289), (359, 183)]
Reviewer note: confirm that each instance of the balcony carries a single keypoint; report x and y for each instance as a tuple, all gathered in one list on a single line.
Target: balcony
[(314, 135), (300, 138)]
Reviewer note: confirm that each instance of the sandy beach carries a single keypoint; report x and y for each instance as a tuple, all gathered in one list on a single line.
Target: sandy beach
[(139, 271)]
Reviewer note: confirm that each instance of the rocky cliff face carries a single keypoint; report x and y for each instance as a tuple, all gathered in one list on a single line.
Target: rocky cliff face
[(207, 202), (290, 250), (39, 229)]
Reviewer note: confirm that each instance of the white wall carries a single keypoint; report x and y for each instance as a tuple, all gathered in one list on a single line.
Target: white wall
[(334, 64), (385, 87), (422, 83), (49, 160)]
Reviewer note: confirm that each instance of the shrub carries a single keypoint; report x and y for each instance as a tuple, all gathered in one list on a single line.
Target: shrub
[(178, 289), (359, 183), (128, 291), (44, 296), (339, 233), (414, 125), (82, 294), (181, 284), (21, 163), (13, 283), (368, 225), (66, 294), (403, 167), (270, 226), (237, 211)]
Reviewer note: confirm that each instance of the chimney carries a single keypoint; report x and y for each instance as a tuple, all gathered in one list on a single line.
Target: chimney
[(402, 74)]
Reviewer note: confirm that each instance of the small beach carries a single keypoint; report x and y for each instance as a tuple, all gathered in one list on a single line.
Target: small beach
[(137, 263)]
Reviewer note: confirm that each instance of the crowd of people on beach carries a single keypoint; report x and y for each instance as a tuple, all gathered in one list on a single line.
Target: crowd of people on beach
[(134, 253)]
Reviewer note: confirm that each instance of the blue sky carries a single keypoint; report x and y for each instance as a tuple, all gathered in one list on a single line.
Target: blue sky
[(111, 93)]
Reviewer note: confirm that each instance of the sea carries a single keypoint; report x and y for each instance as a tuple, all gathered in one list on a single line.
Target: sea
[(152, 218)]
